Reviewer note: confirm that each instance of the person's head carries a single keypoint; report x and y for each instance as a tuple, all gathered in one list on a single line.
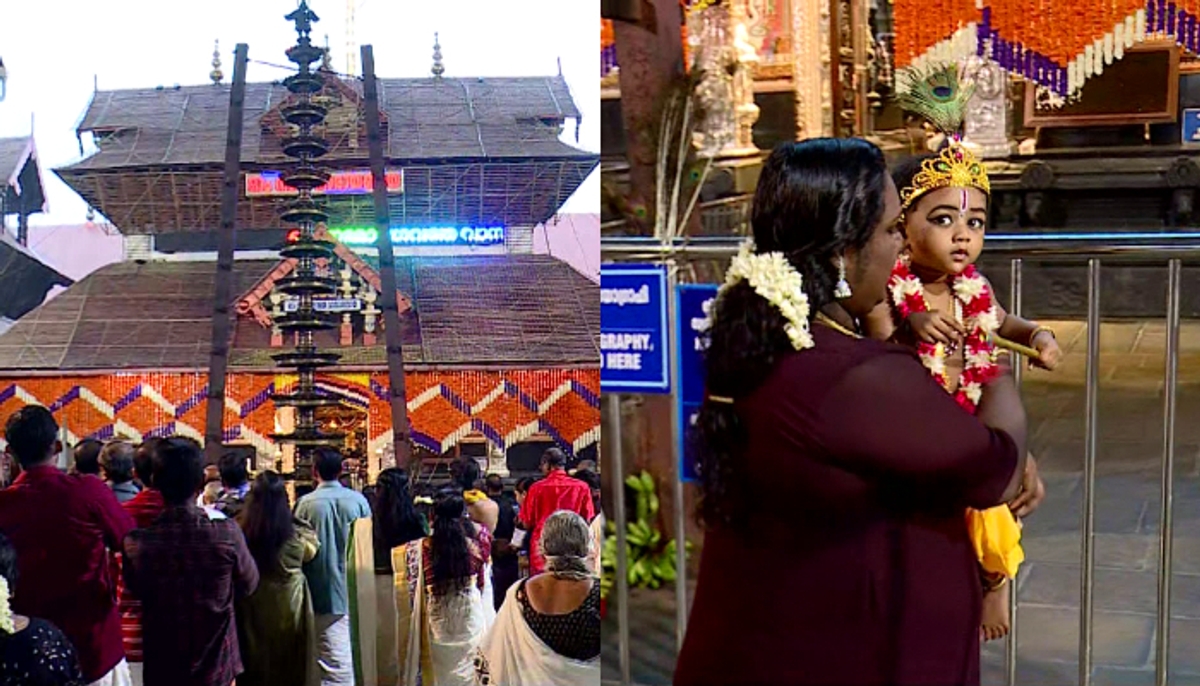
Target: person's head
[(451, 553), (178, 469), (830, 208), (327, 464), (566, 543), (944, 224), (592, 479), (8, 562), (585, 465), (32, 436), (266, 519), (232, 467), (87, 456), (117, 460), (143, 461), (494, 484), (395, 516), (465, 472), (553, 459), (211, 493), (522, 488)]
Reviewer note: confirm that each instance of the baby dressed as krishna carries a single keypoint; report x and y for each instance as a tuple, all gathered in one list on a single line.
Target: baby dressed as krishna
[(941, 305)]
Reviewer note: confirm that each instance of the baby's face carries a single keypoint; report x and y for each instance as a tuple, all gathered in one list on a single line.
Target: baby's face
[(945, 229)]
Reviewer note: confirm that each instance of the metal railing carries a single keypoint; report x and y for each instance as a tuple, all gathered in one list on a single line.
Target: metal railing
[(1093, 249)]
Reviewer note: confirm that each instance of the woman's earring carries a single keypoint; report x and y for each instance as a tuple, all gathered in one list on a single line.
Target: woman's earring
[(842, 290)]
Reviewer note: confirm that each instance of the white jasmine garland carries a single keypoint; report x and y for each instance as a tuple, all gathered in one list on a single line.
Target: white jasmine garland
[(973, 390), (988, 321), (935, 362), (969, 288), (903, 288), (6, 614), (980, 358), (775, 280)]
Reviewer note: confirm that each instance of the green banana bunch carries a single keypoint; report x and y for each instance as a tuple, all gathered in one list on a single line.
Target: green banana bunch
[(651, 563)]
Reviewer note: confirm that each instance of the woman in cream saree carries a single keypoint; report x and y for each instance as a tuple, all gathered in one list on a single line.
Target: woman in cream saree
[(441, 620)]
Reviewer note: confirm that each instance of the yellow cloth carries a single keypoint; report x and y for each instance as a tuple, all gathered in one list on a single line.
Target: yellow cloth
[(473, 496), (996, 536)]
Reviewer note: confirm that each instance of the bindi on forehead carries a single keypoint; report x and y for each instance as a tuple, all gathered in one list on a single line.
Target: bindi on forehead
[(964, 201)]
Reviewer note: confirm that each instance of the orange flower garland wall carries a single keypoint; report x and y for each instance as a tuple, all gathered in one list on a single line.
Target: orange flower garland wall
[(564, 403)]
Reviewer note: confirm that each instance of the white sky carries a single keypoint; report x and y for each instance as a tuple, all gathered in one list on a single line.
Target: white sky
[(52, 49)]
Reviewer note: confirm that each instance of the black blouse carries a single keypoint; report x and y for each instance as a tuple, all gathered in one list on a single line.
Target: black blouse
[(575, 635), (38, 655)]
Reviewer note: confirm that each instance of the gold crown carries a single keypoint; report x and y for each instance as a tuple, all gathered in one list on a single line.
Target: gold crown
[(954, 167)]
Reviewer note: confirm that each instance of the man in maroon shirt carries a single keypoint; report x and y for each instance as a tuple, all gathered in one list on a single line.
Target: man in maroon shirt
[(145, 507), (61, 526), (558, 491), (187, 570)]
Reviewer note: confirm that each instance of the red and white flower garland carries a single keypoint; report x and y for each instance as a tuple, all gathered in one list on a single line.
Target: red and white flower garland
[(976, 308)]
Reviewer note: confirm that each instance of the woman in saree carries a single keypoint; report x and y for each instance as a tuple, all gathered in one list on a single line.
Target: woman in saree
[(548, 630), (394, 522), (440, 607), (275, 623)]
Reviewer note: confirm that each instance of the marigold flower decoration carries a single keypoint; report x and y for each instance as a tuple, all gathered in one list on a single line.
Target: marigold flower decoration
[(775, 280), (6, 614)]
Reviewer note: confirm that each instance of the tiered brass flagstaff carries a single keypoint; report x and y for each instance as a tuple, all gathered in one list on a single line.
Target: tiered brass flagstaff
[(304, 283)]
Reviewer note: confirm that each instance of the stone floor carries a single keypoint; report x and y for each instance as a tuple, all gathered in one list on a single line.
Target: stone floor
[(1127, 516)]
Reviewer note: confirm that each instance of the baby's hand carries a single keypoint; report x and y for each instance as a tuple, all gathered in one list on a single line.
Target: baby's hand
[(935, 327), (1049, 354)]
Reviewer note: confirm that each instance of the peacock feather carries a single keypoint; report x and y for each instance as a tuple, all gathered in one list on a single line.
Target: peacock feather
[(937, 94)]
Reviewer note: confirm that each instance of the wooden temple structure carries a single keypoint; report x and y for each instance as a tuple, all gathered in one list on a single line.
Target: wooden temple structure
[(501, 346)]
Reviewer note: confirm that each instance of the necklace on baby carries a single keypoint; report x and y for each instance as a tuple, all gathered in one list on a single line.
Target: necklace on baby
[(975, 308)]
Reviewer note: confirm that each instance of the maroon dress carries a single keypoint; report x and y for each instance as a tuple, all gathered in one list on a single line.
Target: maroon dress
[(855, 567)]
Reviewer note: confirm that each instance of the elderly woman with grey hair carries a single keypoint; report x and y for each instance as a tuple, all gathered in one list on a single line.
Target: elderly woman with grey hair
[(547, 632)]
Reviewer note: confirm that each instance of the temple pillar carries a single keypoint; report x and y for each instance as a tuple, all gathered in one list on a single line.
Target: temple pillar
[(812, 68)]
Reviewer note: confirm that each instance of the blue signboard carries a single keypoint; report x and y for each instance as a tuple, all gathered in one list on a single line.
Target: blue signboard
[(633, 329), (1190, 126), (692, 303)]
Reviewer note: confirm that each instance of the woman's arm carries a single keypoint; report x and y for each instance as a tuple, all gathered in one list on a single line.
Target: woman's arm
[(1001, 408), (889, 421)]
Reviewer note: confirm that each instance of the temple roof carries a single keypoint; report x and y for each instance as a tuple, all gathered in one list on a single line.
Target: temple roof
[(428, 119), (473, 152), (478, 311), (20, 177), (27, 280)]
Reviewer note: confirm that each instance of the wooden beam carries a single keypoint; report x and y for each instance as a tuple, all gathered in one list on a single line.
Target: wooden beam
[(387, 264), (226, 242)]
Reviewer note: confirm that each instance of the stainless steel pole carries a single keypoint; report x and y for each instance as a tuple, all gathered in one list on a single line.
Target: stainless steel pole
[(1010, 648), (681, 593), (1166, 518), (612, 403), (1088, 563)]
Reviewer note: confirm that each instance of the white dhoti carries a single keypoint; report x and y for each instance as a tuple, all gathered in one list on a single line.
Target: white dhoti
[(117, 676), (334, 655)]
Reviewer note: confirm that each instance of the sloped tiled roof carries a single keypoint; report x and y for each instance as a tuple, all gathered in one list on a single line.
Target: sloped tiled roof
[(529, 310), (25, 277), (428, 119), (12, 154)]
